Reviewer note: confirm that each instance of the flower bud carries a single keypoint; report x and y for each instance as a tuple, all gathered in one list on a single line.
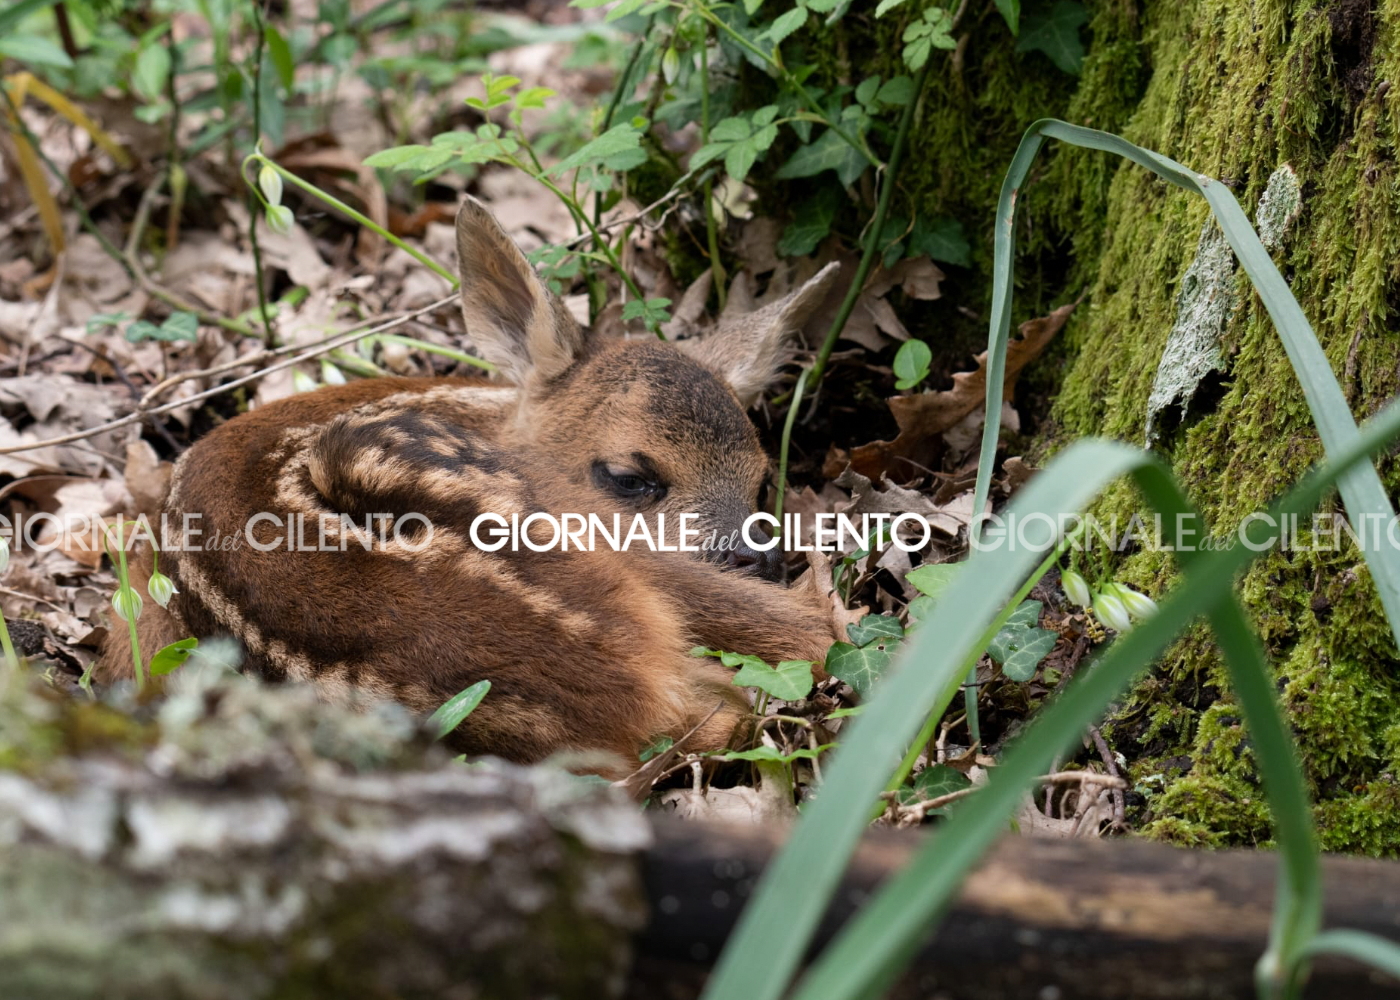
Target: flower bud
[(670, 64), (1109, 609), (126, 602), (271, 183), (302, 382), (1139, 605), (331, 374), (280, 219), (161, 588), (1075, 588)]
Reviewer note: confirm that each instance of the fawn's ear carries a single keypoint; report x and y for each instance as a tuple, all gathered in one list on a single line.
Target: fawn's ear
[(513, 319), (749, 350)]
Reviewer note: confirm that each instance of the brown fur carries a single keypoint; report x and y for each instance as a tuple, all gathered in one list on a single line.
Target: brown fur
[(584, 650)]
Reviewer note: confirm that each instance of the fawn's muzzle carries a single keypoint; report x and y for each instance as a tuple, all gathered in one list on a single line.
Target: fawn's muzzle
[(767, 564)]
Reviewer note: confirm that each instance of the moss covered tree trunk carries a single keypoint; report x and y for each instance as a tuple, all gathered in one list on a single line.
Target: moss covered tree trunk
[(1236, 91)]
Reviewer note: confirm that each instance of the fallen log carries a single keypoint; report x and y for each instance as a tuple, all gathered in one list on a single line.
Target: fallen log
[(1048, 919), (242, 842)]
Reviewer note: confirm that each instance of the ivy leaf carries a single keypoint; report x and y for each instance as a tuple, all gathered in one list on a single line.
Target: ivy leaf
[(942, 239), (829, 152), (873, 627), (615, 140), (1019, 650), (810, 225), (911, 363), (458, 707), (172, 657), (933, 783), (919, 609), (179, 326), (932, 579), (1056, 33), (860, 667), (790, 680), (1026, 615)]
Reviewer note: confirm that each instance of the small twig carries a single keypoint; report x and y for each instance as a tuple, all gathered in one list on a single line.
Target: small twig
[(142, 411), (1119, 804)]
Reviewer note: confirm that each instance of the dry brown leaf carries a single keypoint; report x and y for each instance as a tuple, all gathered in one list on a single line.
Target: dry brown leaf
[(924, 416)]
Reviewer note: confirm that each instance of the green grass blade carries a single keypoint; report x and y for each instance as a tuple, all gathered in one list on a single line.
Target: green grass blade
[(1374, 951), (1361, 488), (774, 929)]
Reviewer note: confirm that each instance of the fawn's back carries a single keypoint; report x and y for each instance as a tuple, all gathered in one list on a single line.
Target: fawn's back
[(353, 565)]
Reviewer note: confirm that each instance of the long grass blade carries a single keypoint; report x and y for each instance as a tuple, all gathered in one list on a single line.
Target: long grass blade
[(1366, 948), (1361, 488), (775, 928)]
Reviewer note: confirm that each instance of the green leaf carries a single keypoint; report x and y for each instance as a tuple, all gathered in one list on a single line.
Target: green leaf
[(1019, 650), (659, 747), (172, 657), (180, 326), (151, 71), (458, 707), (829, 152), (942, 239), (35, 51), (885, 6), (860, 667), (790, 680), (281, 55), (919, 609), (101, 321), (932, 579), (911, 363), (786, 24), (865, 92), (395, 157), (897, 92), (615, 140), (1027, 614), (873, 627), (932, 783), (774, 754), (1056, 33), (1010, 11), (15, 13), (810, 225)]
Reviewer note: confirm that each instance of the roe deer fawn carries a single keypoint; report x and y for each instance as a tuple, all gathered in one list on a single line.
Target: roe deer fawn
[(585, 650)]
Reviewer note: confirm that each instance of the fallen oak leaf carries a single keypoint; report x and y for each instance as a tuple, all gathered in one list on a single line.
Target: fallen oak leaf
[(923, 416)]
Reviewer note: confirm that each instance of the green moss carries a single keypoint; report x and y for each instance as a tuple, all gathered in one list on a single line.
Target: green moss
[(1235, 92)]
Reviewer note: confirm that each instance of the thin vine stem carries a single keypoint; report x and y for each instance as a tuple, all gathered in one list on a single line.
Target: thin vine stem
[(269, 337), (872, 235), (711, 225)]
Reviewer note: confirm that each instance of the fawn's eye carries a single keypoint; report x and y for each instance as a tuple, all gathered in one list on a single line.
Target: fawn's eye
[(625, 482)]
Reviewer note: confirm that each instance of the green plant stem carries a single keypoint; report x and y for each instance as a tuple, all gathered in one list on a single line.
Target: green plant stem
[(711, 225), (11, 660), (124, 584), (269, 337), (446, 352), (346, 210), (624, 83), (797, 391), (872, 236)]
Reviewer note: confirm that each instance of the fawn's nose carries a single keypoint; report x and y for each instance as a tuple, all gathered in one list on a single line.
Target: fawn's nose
[(767, 564)]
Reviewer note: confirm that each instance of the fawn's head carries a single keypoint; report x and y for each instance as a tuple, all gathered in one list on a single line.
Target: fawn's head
[(630, 425)]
